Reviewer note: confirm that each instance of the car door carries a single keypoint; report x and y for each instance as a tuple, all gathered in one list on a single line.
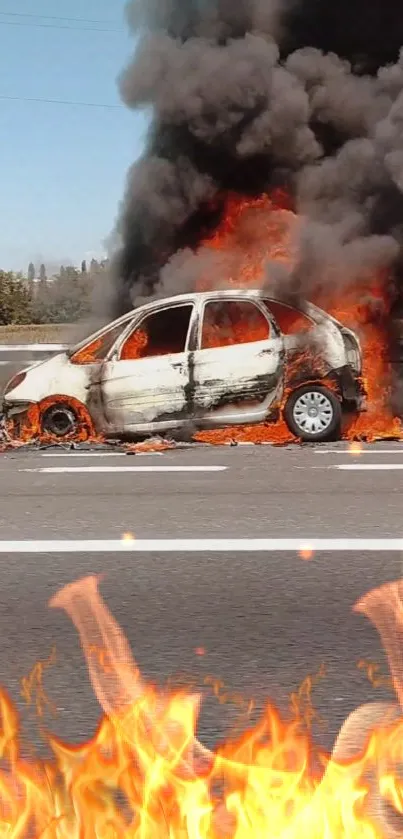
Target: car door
[(238, 366), (145, 383), (313, 341)]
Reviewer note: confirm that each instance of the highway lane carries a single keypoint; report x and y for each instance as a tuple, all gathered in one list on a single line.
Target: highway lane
[(264, 619), (263, 491)]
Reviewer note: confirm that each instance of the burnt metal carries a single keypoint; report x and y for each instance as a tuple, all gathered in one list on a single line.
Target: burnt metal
[(59, 420), (190, 387), (352, 389), (255, 389)]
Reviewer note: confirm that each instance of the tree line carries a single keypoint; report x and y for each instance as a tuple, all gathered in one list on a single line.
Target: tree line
[(65, 297)]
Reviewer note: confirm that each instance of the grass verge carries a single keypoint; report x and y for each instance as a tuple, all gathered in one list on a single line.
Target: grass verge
[(41, 333)]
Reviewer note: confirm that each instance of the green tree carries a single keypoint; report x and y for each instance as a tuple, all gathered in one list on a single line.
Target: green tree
[(31, 272), (15, 299), (42, 273), (66, 297)]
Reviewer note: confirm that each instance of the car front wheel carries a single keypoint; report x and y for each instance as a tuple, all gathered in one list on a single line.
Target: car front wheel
[(64, 418), (313, 414)]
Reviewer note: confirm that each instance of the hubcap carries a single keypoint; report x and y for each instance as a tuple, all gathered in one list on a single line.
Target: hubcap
[(313, 412)]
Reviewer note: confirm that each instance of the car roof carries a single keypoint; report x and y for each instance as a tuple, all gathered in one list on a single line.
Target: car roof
[(309, 309)]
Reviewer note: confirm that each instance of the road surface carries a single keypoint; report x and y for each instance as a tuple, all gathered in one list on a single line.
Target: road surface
[(263, 618)]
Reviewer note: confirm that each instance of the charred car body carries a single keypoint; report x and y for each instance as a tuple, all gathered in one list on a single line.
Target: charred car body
[(202, 360)]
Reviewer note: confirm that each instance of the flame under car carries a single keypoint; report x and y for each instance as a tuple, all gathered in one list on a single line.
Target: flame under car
[(196, 361)]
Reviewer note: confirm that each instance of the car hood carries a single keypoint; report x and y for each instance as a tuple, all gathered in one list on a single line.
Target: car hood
[(56, 375)]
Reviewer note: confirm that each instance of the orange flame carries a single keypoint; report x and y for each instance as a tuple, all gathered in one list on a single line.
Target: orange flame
[(306, 552), (32, 688), (27, 427), (145, 774), (384, 607), (355, 447), (89, 354), (254, 231), (128, 537)]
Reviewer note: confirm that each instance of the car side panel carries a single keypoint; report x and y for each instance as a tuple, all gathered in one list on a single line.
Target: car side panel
[(324, 340), (145, 390), (238, 382)]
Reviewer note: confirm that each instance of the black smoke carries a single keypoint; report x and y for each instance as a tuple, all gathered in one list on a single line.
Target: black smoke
[(245, 95)]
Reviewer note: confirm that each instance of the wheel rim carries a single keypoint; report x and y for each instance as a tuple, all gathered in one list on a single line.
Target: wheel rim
[(59, 420), (313, 412)]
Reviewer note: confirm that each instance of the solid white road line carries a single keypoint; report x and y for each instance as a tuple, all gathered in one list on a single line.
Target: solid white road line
[(62, 470), (364, 467), (73, 454), (34, 546)]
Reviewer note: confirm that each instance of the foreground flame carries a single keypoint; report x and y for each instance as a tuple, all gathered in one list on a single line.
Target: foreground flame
[(145, 774)]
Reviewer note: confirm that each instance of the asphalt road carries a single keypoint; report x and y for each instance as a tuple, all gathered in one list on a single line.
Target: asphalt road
[(262, 491), (264, 619)]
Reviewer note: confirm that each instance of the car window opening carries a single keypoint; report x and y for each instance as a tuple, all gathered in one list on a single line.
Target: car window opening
[(162, 333), (228, 322), (290, 320), (98, 349)]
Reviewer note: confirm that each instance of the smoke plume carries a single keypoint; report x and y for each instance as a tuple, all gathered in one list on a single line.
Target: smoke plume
[(251, 94)]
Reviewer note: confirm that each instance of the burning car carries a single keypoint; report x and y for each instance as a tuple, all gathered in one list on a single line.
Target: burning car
[(196, 361)]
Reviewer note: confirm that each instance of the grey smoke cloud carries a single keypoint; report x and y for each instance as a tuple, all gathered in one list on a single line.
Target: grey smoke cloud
[(166, 191), (237, 96), (216, 19), (329, 259), (213, 75)]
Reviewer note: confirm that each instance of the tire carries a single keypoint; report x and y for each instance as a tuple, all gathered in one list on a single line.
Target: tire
[(325, 425), (64, 420)]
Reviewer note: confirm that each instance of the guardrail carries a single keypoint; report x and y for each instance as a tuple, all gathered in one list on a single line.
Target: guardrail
[(22, 355), (34, 348)]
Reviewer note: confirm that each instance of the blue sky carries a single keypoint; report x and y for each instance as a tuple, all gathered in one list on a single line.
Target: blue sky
[(62, 168)]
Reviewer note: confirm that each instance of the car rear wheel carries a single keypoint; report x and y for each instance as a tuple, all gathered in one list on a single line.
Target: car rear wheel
[(313, 414)]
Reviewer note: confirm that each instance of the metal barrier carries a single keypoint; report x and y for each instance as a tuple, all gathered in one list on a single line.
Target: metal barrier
[(33, 348), (22, 355)]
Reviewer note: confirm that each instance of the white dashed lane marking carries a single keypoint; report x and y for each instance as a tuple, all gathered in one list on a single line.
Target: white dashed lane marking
[(364, 467), (355, 455), (75, 470), (358, 453), (74, 454)]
